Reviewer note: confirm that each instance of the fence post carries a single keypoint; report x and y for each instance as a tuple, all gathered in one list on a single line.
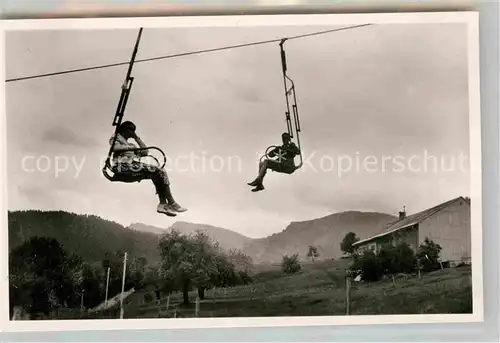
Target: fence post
[(348, 294), (168, 301), (81, 301), (197, 308), (213, 296)]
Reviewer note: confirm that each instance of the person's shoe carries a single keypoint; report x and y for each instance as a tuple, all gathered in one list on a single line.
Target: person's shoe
[(259, 187), (178, 208), (165, 209), (255, 182)]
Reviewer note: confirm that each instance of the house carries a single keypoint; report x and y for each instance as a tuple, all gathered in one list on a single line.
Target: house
[(447, 224)]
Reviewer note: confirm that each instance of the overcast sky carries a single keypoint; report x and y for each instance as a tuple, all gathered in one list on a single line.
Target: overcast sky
[(384, 91)]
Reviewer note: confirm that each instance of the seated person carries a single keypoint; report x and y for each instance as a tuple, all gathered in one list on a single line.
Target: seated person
[(284, 164), (128, 163)]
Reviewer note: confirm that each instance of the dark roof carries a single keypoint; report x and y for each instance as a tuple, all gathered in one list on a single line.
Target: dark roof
[(411, 220)]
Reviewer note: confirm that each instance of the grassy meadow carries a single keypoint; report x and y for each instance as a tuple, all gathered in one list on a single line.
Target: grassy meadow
[(318, 290)]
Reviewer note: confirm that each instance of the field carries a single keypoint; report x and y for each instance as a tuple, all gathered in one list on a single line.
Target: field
[(319, 289)]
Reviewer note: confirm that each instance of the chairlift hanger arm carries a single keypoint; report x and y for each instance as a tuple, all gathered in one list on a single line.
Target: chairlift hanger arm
[(127, 84), (285, 77), (126, 87), (134, 54), (290, 90)]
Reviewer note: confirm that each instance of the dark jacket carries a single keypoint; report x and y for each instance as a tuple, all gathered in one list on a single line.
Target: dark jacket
[(288, 152)]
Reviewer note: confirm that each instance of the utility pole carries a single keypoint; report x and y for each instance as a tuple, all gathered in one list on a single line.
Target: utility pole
[(123, 284), (348, 294), (107, 285)]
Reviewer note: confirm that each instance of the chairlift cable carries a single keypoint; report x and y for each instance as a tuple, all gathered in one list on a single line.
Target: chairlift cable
[(196, 52)]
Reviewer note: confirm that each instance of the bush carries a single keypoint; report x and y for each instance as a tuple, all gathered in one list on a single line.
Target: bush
[(148, 298), (404, 259), (397, 259), (386, 258), (291, 264), (390, 260), (369, 265), (428, 255)]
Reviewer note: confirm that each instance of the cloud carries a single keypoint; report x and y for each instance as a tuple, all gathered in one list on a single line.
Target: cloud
[(66, 136)]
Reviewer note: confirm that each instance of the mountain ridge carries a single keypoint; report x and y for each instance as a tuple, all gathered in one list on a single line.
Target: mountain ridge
[(97, 235), (326, 233), (227, 238)]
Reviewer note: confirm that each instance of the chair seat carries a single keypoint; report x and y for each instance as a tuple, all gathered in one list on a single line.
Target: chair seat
[(114, 176), (288, 170), (283, 168), (126, 177)]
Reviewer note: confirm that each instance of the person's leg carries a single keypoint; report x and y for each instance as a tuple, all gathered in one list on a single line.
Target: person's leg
[(261, 174), (141, 171), (163, 177), (162, 184), (264, 166)]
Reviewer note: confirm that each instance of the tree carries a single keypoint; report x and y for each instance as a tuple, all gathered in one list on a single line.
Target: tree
[(428, 255), (151, 276), (187, 261), (226, 275), (242, 266), (195, 260), (206, 260), (43, 275), (313, 253), (291, 264), (241, 261), (178, 254), (346, 245), (91, 284)]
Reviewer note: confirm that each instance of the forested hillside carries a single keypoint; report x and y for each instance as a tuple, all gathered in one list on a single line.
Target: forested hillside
[(88, 236)]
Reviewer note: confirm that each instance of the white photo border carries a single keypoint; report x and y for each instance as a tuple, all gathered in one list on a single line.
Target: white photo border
[(471, 18)]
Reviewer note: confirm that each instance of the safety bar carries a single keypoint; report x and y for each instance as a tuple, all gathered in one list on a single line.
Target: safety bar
[(138, 149), (268, 150)]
